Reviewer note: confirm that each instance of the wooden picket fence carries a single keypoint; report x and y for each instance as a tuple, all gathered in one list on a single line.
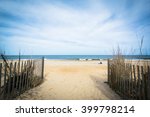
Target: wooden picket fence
[(130, 81), (17, 77)]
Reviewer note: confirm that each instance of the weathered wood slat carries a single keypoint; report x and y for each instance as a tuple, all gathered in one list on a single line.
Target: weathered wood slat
[(117, 80), (138, 83), (42, 67), (0, 79), (29, 73), (26, 77), (108, 68), (148, 83), (135, 87), (9, 82), (119, 83), (131, 83), (14, 80), (5, 76), (144, 84), (20, 79)]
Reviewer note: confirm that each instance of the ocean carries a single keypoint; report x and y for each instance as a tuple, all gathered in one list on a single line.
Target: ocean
[(73, 57)]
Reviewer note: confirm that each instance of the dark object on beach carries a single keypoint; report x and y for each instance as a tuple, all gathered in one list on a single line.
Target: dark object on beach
[(100, 63)]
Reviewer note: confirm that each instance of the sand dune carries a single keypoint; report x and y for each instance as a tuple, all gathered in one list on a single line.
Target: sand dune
[(70, 79)]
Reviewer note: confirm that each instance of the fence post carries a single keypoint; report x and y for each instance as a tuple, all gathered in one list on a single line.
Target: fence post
[(18, 76), (9, 82), (128, 82), (124, 87), (148, 95), (131, 83), (134, 84), (13, 79), (42, 67), (0, 78), (138, 83), (20, 79), (30, 74), (24, 76), (5, 68), (27, 80), (108, 71), (144, 84)]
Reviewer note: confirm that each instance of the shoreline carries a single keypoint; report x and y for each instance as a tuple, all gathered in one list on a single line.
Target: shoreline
[(75, 57), (78, 59)]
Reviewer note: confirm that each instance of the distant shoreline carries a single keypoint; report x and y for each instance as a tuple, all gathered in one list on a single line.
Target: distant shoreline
[(75, 57)]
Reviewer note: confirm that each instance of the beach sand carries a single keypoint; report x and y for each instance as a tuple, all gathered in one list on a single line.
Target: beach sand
[(72, 80)]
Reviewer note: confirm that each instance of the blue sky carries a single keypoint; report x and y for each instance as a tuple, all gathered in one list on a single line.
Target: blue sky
[(74, 27)]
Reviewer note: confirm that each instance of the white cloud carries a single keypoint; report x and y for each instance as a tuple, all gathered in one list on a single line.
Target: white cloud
[(61, 29)]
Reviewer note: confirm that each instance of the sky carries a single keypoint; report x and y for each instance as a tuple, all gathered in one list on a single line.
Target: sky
[(74, 27)]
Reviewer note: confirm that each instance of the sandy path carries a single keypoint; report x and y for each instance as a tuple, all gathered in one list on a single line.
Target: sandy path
[(73, 80)]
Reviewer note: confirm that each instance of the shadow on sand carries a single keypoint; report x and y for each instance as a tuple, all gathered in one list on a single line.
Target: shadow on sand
[(104, 88)]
